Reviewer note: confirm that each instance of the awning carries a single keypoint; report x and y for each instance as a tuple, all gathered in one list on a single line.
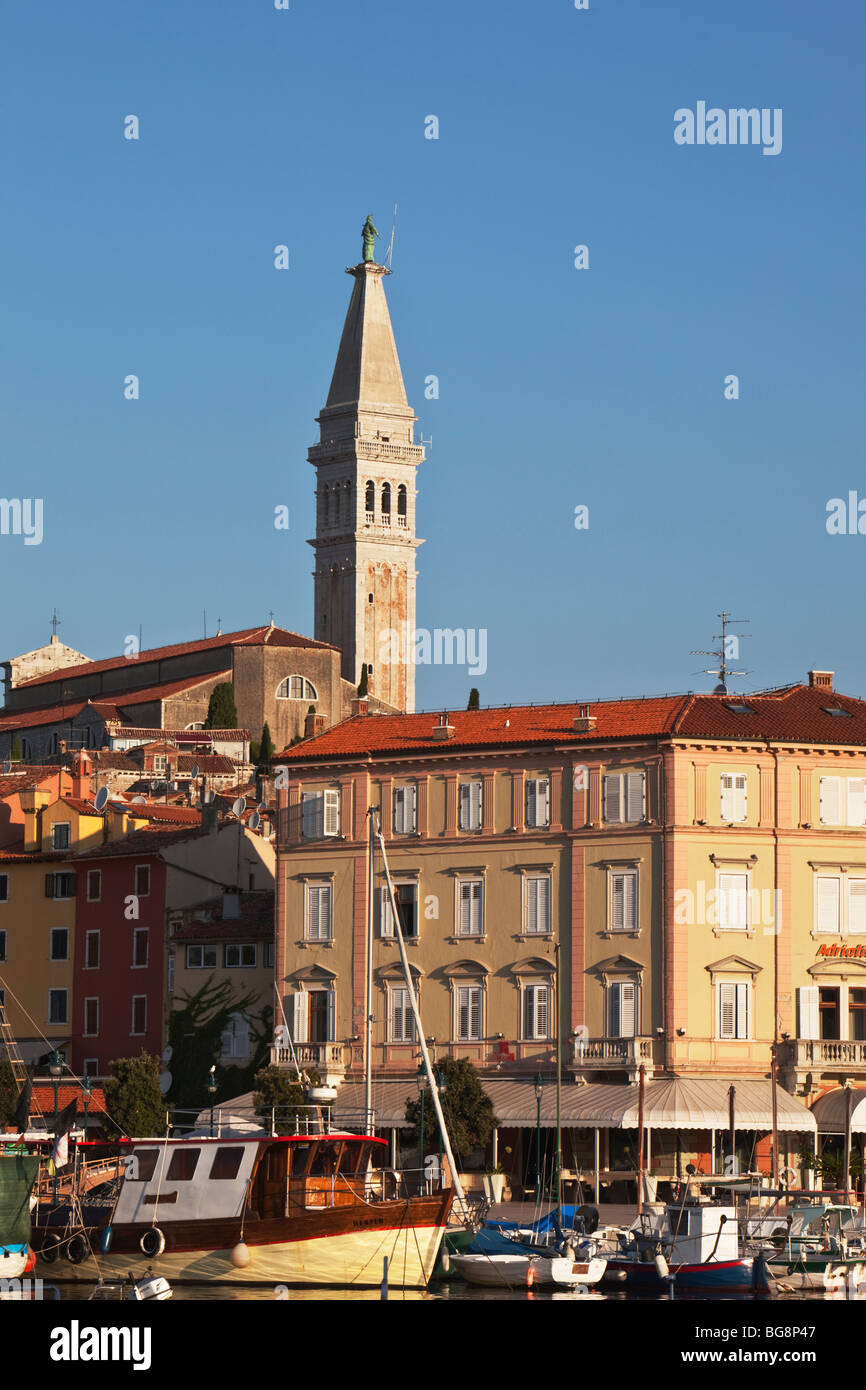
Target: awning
[(829, 1111), (681, 1103)]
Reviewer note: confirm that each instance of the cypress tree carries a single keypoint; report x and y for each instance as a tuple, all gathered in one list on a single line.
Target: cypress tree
[(221, 712), (474, 700)]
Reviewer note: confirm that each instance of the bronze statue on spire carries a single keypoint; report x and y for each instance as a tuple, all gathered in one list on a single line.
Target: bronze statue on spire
[(369, 232)]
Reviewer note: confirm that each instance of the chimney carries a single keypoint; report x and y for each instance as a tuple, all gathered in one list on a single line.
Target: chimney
[(81, 770), (359, 705), (231, 904), (209, 817), (585, 722), (821, 680), (314, 723), (443, 730)]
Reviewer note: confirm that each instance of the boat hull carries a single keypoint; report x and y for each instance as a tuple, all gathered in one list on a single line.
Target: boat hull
[(15, 1260), (831, 1275), (722, 1274), (494, 1271), (341, 1247)]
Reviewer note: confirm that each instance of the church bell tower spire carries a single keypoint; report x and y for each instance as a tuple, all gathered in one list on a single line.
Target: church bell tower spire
[(366, 463)]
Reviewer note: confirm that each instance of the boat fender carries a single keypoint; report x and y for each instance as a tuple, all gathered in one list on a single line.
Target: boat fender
[(662, 1269), (240, 1255), (50, 1248), (105, 1240), (788, 1176), (31, 1260), (77, 1250), (589, 1216), (445, 1263), (152, 1243)]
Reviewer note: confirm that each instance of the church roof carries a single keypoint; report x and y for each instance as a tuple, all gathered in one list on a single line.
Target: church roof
[(367, 369)]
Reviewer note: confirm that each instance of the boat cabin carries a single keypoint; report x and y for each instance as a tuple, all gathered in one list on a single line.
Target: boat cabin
[(203, 1179), (691, 1232)]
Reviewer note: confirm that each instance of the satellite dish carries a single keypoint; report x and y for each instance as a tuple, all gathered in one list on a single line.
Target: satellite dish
[(195, 769), (101, 798), (255, 820), (168, 1053), (165, 1082), (263, 806), (239, 806), (138, 801), (271, 831)]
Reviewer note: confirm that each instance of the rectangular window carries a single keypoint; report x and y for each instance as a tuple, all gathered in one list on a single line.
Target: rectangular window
[(320, 814), (318, 914), (201, 957), (235, 1044), (142, 880), (60, 835), (144, 1165), (827, 896), (139, 1015), (470, 920), (401, 1024), (2, 945), (856, 800), (4, 888), (269, 955), (91, 950), (404, 809), (856, 1014), (734, 1011), (622, 1009), (91, 1066), (57, 1006), (830, 800), (239, 957), (623, 900), (733, 909), (828, 1014), (733, 796), (94, 885), (59, 943), (91, 1018), (322, 1015), (536, 917), (227, 1163), (182, 1165), (538, 802), (857, 905), (60, 885), (407, 906), (536, 1012), (139, 946), (469, 1011), (624, 797), (159, 762), (471, 805)]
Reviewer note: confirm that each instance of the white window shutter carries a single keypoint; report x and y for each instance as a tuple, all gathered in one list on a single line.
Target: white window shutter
[(827, 910), (742, 1029), (529, 1012), (727, 795), (614, 1011), (475, 1012), (727, 1010), (299, 1021), (542, 1012), (312, 913), (740, 791), (310, 814), (475, 812), (733, 900), (807, 1009), (538, 801), (618, 902), (464, 806), (399, 810), (856, 801), (628, 1010), (332, 813), (857, 904), (531, 786), (532, 904), (411, 809), (386, 913), (612, 797), (635, 796), (332, 1015), (831, 800)]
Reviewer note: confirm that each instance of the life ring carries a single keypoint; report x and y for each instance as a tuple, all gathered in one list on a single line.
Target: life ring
[(788, 1176), (50, 1248), (152, 1243), (77, 1250)]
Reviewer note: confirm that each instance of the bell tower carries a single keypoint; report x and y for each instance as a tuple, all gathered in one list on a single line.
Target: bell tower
[(366, 461)]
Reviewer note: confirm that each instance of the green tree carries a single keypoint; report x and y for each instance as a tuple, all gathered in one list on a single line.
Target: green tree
[(468, 1111), (282, 1092), (474, 699), (195, 1031), (16, 749), (267, 750), (362, 683), (133, 1098), (255, 752), (221, 712), (9, 1089)]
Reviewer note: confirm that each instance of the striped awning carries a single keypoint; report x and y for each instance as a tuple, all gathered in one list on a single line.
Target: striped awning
[(829, 1111)]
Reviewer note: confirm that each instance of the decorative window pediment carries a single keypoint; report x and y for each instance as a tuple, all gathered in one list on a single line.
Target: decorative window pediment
[(394, 971), (617, 965), (465, 970), (734, 965), (312, 974), (532, 965), (838, 965)]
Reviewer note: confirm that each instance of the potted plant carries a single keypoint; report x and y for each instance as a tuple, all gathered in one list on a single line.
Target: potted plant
[(494, 1183)]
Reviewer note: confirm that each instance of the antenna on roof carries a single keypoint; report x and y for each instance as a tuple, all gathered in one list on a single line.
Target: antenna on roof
[(729, 650), (390, 250)]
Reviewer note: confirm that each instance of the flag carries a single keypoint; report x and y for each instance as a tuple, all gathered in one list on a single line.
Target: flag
[(22, 1112), (62, 1125)]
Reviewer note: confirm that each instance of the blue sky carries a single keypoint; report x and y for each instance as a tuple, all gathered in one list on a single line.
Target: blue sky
[(558, 387)]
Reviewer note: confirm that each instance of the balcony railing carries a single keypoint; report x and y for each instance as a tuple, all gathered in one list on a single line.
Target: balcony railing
[(612, 1052), (328, 1055), (814, 1052)]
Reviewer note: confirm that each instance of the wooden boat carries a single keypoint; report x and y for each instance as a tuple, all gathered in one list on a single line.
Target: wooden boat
[(518, 1269), (698, 1242), (304, 1209), (824, 1247)]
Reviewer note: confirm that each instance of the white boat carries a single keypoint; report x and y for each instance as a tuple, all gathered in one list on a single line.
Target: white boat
[(515, 1271)]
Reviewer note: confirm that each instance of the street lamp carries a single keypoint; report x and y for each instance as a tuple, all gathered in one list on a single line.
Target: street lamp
[(212, 1089), (539, 1088), (56, 1071), (421, 1081)]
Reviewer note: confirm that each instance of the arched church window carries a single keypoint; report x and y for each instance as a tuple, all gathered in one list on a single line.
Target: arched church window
[(324, 500), (370, 501), (386, 499), (401, 500), (347, 501), (296, 688)]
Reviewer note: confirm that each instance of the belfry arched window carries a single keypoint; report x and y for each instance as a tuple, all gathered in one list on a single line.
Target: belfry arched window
[(370, 499), (296, 688), (386, 501), (401, 500)]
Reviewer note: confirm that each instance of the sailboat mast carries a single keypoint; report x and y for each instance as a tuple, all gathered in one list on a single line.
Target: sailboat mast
[(410, 989), (368, 1000)]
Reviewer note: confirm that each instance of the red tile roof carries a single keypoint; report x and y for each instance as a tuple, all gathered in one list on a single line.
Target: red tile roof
[(246, 637), (792, 714), (84, 808), (43, 1097), (256, 922), (30, 775), (145, 841), (162, 811)]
